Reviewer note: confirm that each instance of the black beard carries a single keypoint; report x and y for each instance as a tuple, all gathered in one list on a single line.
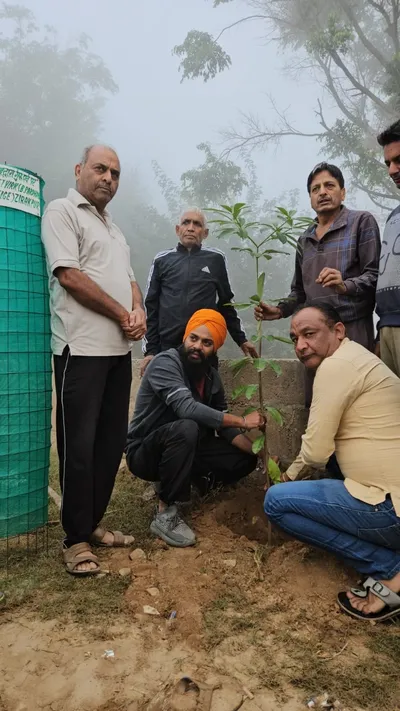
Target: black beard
[(195, 370)]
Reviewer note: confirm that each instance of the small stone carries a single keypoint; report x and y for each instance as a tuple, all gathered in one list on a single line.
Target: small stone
[(149, 493), (229, 562), (148, 610), (154, 592), (138, 555), (124, 572)]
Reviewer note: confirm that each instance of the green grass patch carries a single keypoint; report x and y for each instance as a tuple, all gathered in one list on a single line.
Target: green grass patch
[(38, 582)]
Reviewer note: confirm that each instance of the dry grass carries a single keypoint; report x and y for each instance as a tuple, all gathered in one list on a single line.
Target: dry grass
[(291, 647), (38, 582), (285, 658)]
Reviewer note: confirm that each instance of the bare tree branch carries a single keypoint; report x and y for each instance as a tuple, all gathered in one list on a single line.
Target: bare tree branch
[(391, 22), (260, 137), (239, 22), (374, 200), (363, 125), (378, 6), (376, 193), (363, 89), (363, 38)]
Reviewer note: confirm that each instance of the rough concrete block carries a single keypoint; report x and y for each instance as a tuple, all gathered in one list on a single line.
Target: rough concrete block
[(286, 393), (286, 389)]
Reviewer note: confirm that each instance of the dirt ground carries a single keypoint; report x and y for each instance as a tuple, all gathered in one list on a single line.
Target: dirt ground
[(248, 619)]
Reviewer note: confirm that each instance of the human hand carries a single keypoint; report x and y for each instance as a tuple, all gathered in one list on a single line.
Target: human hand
[(144, 364), (264, 312), (249, 349), (134, 326), (253, 421), (333, 278)]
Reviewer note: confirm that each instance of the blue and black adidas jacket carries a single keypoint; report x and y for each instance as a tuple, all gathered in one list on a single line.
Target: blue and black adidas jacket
[(181, 282)]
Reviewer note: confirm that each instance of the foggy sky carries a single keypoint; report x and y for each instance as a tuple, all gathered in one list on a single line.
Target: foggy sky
[(153, 116)]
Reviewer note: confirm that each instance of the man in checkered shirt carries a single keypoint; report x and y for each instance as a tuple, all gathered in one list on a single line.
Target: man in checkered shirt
[(337, 261)]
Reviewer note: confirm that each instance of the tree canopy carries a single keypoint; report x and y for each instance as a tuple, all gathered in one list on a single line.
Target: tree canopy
[(351, 48), (51, 97)]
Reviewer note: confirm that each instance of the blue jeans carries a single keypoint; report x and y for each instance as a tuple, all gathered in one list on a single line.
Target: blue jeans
[(324, 514)]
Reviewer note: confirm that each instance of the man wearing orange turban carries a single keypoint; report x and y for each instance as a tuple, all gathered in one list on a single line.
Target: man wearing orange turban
[(212, 320), (179, 409)]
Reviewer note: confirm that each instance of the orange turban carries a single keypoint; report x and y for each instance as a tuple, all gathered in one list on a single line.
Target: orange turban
[(212, 320)]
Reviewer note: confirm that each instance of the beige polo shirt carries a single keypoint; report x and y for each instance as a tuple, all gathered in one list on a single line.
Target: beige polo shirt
[(75, 235), (355, 412)]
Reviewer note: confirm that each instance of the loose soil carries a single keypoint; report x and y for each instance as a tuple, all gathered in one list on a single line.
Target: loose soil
[(246, 616)]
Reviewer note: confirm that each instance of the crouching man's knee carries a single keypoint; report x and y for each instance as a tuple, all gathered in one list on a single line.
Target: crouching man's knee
[(273, 501), (187, 430)]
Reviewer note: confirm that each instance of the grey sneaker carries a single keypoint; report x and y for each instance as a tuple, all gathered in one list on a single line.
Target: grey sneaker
[(172, 529)]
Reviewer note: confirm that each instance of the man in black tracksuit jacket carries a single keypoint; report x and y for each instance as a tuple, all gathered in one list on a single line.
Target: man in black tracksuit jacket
[(181, 281)]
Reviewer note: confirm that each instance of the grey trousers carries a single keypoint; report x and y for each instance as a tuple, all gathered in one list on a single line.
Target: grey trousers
[(390, 347)]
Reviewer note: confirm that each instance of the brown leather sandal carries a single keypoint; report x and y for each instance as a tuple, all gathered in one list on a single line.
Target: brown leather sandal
[(120, 540), (80, 553)]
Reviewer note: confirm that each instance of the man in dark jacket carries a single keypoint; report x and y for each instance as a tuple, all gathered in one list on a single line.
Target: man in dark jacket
[(179, 408), (337, 261), (183, 279), (388, 289)]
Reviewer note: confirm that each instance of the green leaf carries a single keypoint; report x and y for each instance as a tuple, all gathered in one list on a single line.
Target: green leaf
[(274, 471), (275, 366), (239, 364), (283, 211), (275, 414), (249, 410), (255, 298), (238, 307), (258, 444), (245, 249), (227, 208), (260, 285), (236, 210), (225, 233), (250, 390), (238, 391), (260, 364), (281, 339), (220, 222), (274, 251), (251, 224)]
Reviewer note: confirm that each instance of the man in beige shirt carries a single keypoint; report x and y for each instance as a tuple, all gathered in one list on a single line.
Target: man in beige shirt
[(96, 310), (355, 414)]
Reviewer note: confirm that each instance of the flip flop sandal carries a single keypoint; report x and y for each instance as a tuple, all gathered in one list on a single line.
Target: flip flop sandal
[(73, 556), (391, 600), (120, 541)]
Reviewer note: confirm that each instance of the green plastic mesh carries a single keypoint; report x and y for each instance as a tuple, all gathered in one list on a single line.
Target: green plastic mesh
[(25, 375)]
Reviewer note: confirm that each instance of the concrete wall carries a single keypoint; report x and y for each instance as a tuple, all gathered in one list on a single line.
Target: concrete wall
[(285, 392)]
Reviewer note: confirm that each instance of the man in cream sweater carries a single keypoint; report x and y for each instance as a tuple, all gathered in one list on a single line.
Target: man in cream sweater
[(355, 414)]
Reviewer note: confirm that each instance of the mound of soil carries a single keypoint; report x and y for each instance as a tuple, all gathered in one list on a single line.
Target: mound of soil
[(247, 616)]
